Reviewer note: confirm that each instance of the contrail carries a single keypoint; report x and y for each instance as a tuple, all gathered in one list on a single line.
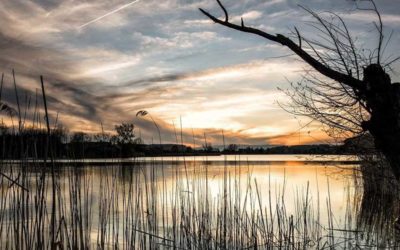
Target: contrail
[(109, 13)]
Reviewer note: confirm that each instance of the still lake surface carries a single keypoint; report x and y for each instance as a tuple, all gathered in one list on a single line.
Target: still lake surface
[(165, 187), (321, 178), (278, 179)]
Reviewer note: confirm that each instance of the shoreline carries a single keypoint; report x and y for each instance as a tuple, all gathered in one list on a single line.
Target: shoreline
[(176, 159)]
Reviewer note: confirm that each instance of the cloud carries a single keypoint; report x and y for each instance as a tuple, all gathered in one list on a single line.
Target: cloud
[(178, 40), (250, 15), (254, 69), (165, 57), (362, 16)]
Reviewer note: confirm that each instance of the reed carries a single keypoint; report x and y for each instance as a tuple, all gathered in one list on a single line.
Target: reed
[(136, 207)]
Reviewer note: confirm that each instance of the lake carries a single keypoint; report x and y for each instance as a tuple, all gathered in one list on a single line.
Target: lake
[(255, 201)]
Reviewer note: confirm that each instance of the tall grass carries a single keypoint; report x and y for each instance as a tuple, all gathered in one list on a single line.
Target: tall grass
[(142, 207)]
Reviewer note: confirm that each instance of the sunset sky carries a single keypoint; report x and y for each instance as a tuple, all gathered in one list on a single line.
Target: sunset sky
[(104, 60)]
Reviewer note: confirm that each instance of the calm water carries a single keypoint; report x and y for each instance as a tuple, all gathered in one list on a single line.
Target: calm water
[(277, 177), (153, 194), (287, 177)]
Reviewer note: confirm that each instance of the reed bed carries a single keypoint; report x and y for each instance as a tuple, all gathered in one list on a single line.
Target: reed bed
[(153, 205)]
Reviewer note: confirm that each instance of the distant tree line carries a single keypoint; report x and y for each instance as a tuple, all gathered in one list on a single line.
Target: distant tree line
[(31, 143), (324, 149)]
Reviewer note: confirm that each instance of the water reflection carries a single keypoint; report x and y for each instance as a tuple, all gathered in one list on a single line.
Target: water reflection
[(191, 201), (378, 207)]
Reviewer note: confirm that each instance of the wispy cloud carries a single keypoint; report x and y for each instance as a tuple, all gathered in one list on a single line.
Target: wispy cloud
[(104, 60)]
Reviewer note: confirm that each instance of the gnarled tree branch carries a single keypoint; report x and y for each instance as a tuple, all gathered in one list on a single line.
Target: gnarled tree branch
[(285, 41)]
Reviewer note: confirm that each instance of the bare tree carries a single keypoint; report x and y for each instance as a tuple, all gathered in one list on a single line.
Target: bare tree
[(126, 133), (348, 88)]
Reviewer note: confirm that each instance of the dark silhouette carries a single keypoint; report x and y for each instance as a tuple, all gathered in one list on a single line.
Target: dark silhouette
[(361, 98), (30, 143)]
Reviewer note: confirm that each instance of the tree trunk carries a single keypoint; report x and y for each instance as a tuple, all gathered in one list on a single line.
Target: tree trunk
[(383, 101)]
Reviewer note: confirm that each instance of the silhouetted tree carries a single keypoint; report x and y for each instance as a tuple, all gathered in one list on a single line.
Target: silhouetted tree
[(125, 133), (79, 137), (232, 148), (126, 139), (102, 137), (207, 147), (355, 95)]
